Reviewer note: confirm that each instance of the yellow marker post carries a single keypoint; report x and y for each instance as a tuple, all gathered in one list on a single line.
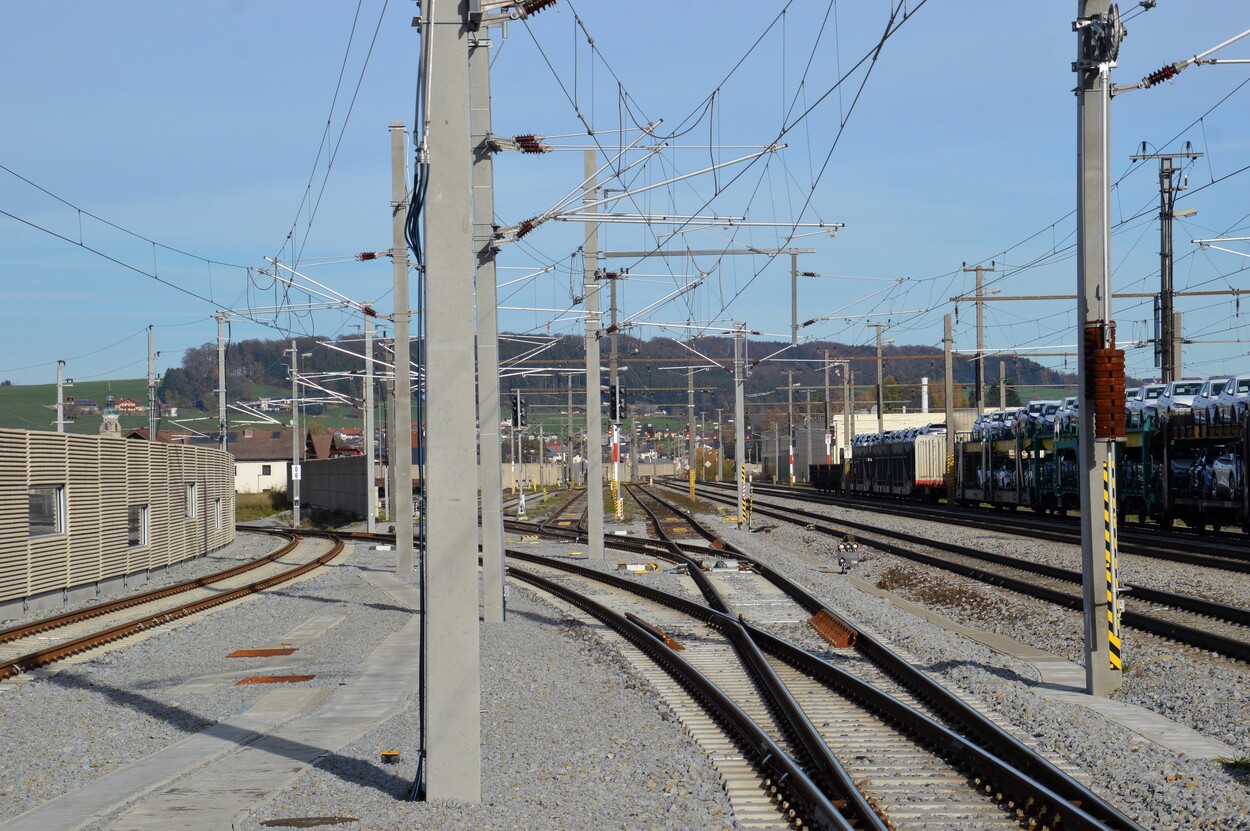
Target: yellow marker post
[(692, 483), (1113, 567)]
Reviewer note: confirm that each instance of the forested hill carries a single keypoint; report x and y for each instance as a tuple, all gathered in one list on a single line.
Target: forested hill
[(653, 371)]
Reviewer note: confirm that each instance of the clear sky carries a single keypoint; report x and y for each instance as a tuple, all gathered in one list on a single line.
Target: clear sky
[(154, 154)]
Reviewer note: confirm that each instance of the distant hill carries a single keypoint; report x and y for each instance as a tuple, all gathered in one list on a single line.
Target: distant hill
[(653, 373)]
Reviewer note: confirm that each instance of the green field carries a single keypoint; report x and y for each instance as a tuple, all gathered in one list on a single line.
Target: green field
[(34, 407)]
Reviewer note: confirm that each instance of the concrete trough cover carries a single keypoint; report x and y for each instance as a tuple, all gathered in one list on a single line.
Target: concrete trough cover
[(261, 653), (307, 822), (274, 679)]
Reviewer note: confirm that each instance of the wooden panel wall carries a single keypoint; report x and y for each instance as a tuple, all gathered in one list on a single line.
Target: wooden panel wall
[(103, 477)]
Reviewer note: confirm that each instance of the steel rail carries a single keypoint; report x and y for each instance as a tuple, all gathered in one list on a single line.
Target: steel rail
[(67, 618), (1179, 632), (829, 771), (968, 719), (1132, 540), (1026, 774), (550, 522), (786, 775), (43, 657)]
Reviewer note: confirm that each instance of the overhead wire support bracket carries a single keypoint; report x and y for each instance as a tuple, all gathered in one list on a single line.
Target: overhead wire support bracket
[(527, 143), (1170, 71)]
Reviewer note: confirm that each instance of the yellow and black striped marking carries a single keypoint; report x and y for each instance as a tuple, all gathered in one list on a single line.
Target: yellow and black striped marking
[(1109, 551)]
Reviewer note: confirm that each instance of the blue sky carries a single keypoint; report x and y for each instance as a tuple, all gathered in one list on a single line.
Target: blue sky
[(207, 129)]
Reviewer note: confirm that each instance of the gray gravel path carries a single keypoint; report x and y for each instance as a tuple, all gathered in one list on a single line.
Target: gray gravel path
[(68, 725), (571, 737)]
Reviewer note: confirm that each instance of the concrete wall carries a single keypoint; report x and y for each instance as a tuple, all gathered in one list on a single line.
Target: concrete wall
[(766, 441), (97, 480), (553, 475)]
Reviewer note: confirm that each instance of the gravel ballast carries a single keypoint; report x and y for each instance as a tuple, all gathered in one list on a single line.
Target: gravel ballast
[(572, 736), (569, 731), (1160, 789)]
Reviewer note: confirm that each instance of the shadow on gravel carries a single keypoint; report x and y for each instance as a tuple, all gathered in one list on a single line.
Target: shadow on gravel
[(1000, 672), (538, 617), (382, 607), (355, 771)]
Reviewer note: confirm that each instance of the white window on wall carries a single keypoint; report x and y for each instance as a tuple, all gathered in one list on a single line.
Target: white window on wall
[(191, 500), (217, 514), (266, 470), (137, 526), (47, 510)]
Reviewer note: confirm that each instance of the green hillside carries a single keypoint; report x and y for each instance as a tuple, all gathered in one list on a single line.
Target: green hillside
[(34, 407)]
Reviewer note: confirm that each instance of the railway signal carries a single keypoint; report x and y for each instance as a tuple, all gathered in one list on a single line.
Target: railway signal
[(520, 417)]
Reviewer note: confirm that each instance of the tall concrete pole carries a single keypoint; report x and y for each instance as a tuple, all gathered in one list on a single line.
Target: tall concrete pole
[(388, 448), (1098, 35), (60, 396), (371, 487), (720, 444), (790, 420), (490, 465), (453, 680), (694, 440), (221, 381), (400, 467), (740, 416), (1167, 203), (594, 381), (1002, 385), (880, 397), (152, 408), (1166, 337), (980, 359), (807, 428), (568, 449), (949, 405), (613, 381), (828, 416), (848, 410), (296, 444)]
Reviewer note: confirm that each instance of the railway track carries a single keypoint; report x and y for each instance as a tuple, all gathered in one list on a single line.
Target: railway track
[(1216, 627), (42, 642), (904, 765), (1223, 551), (569, 514)]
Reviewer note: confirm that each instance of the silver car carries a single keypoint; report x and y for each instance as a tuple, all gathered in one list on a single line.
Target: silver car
[(1177, 398), (1203, 404), (1231, 403), (1064, 418), (1145, 398)]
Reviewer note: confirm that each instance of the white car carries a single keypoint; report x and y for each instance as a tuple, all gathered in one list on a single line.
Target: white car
[(1177, 398), (1203, 404), (1065, 417), (1231, 403), (1143, 403)]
